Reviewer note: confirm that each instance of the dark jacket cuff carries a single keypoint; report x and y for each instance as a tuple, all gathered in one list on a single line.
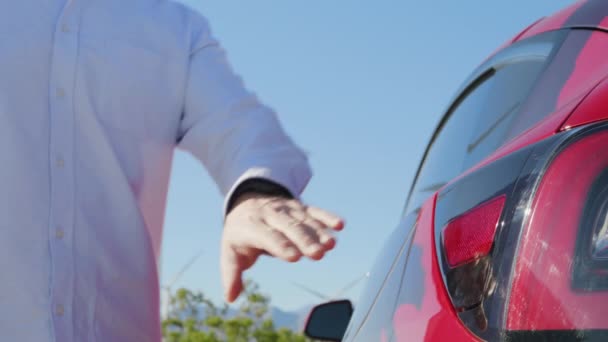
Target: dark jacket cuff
[(257, 186)]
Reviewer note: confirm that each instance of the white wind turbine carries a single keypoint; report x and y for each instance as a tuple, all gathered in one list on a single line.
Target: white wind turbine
[(338, 294), (168, 288)]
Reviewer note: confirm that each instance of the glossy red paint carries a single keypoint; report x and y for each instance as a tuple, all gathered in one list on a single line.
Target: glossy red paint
[(512, 40), (542, 297), (383, 336), (586, 10), (471, 235), (585, 14), (544, 129), (593, 109), (436, 319), (552, 22), (590, 68)]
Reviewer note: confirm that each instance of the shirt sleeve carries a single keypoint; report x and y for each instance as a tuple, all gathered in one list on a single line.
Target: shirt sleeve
[(230, 131)]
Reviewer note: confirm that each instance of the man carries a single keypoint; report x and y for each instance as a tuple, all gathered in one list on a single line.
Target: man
[(94, 97)]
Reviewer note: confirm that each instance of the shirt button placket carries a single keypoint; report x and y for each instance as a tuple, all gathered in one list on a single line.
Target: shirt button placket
[(61, 111)]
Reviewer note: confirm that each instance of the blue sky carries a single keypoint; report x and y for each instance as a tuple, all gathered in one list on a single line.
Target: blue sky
[(360, 85)]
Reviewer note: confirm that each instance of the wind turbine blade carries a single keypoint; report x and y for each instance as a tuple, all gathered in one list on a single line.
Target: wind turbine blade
[(350, 285), (310, 291), (184, 269)]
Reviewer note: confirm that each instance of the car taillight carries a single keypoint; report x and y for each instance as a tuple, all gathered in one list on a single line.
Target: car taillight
[(561, 272), (471, 235), (522, 242)]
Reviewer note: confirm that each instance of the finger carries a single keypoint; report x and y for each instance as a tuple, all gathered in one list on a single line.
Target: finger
[(264, 238), (303, 236), (231, 272), (275, 243), (300, 229), (290, 210), (329, 219), (325, 236)]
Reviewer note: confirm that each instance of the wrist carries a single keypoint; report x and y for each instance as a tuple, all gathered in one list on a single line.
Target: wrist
[(256, 188)]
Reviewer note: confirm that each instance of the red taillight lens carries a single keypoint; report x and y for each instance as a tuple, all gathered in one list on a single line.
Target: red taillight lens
[(560, 276), (531, 261), (471, 235)]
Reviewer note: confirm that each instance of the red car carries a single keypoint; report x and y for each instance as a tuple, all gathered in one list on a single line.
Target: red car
[(504, 235)]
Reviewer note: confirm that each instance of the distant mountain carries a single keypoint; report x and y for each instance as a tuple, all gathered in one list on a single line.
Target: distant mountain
[(293, 320)]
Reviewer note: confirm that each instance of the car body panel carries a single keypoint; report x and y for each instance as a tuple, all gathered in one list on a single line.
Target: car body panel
[(539, 132), (483, 289), (560, 96), (582, 14), (413, 304), (512, 40), (414, 295), (554, 22), (565, 87), (547, 298), (544, 105), (594, 109), (388, 265), (424, 311)]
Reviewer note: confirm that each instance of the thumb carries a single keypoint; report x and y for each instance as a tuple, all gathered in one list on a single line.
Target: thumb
[(231, 271)]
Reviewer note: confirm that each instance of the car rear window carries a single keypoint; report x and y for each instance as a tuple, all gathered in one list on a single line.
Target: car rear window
[(482, 117)]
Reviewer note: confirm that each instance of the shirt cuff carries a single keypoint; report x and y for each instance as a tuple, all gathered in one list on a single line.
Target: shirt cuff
[(294, 181), (258, 186)]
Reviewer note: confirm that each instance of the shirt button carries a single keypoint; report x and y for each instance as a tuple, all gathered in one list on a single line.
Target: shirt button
[(59, 310), (60, 162), (65, 28), (60, 92), (59, 233)]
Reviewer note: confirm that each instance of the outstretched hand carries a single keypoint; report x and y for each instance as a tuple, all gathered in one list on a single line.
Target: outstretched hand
[(282, 228)]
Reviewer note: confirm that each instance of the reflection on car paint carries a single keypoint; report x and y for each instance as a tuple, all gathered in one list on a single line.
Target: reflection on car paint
[(424, 311), (545, 277)]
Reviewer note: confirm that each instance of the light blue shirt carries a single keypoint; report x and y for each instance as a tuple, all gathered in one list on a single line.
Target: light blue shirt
[(94, 97)]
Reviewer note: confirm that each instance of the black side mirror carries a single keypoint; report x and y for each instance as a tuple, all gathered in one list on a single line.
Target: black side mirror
[(328, 322)]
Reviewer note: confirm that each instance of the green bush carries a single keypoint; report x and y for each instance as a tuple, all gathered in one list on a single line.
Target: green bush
[(192, 317)]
